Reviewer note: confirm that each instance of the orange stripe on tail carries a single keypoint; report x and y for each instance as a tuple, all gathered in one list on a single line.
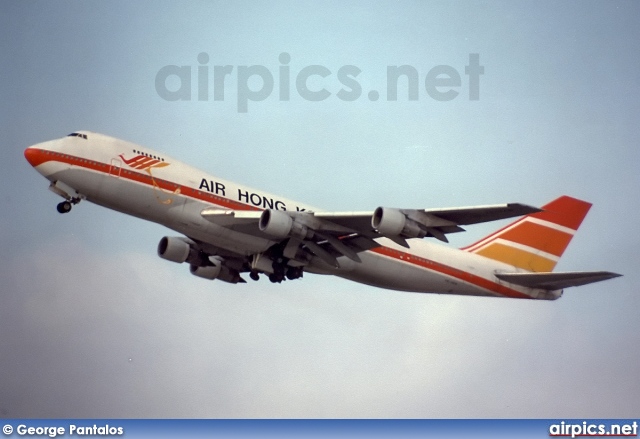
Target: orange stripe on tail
[(535, 242)]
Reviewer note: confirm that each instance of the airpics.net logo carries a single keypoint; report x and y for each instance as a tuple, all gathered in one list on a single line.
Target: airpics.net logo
[(313, 83)]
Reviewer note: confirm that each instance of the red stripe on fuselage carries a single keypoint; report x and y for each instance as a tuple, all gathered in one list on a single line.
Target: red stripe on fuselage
[(38, 157), (450, 271)]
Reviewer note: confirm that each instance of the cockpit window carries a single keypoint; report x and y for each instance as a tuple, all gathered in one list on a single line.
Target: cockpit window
[(82, 136)]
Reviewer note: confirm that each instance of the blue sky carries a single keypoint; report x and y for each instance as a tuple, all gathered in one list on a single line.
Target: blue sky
[(94, 324)]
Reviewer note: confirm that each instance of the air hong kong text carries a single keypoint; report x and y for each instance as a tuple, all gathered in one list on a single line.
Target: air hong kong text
[(244, 196)]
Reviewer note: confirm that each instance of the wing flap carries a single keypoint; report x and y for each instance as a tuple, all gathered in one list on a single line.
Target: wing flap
[(556, 281)]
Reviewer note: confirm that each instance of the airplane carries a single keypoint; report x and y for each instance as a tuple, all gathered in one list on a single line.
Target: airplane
[(228, 229)]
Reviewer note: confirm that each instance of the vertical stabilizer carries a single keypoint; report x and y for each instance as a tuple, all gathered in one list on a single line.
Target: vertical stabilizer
[(535, 242)]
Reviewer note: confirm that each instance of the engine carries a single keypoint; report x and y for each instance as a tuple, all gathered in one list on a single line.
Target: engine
[(173, 249), (392, 222), (280, 225), (208, 272), (177, 249)]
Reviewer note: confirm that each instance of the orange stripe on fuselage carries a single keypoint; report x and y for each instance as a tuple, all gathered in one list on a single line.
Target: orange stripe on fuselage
[(36, 156)]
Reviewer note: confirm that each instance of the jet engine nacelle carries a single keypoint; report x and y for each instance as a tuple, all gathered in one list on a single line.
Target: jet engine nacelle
[(210, 272), (174, 249), (280, 225), (178, 249), (392, 222)]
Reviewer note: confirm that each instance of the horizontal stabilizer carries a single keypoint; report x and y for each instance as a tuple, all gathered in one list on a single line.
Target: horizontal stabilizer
[(556, 281)]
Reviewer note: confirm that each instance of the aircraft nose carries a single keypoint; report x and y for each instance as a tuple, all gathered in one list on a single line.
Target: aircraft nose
[(32, 155)]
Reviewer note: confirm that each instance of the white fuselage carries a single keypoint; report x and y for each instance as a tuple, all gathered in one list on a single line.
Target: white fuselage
[(158, 188)]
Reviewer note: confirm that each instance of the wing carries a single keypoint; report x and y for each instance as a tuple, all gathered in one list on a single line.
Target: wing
[(556, 281), (435, 223), (329, 235)]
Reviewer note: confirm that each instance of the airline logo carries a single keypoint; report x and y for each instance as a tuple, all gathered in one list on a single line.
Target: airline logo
[(144, 162), (536, 242)]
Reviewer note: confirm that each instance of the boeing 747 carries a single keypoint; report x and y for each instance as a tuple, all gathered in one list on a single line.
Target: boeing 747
[(228, 229)]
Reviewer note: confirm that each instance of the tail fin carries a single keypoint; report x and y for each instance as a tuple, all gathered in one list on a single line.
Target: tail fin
[(535, 242)]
